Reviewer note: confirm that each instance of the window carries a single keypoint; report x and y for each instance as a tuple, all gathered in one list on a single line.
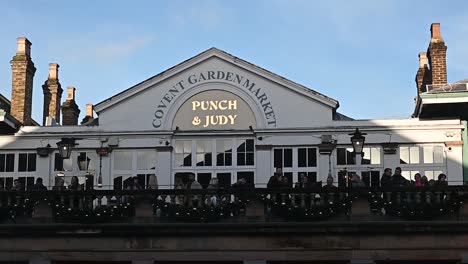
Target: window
[(306, 157), (204, 153), (146, 160), (345, 156), (7, 162), (62, 164), (409, 174), (123, 160), (283, 158), (223, 152), (86, 161), (27, 162), (432, 174), (433, 154), (409, 155), (183, 153), (371, 156), (245, 152)]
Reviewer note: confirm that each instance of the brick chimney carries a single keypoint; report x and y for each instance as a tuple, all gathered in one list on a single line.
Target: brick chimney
[(52, 95), (23, 71), (89, 115), (423, 76), (70, 110), (437, 56)]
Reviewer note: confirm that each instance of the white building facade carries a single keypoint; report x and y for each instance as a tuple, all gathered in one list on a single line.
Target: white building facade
[(218, 116)]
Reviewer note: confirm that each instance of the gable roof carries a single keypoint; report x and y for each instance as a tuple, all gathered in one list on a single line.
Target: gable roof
[(214, 52)]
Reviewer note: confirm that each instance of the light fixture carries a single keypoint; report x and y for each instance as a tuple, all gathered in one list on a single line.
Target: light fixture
[(357, 140), (65, 147)]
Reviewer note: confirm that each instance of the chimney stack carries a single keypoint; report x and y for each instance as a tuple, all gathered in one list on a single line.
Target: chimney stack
[(70, 110), (423, 76), (23, 71), (437, 56), (52, 95), (89, 115)]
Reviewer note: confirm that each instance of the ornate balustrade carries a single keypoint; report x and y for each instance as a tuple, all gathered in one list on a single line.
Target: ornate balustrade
[(110, 206)]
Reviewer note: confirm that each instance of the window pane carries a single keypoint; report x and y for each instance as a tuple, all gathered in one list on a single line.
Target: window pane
[(414, 155), (241, 159), (375, 155), (187, 160), (179, 159), (240, 145), (428, 154), (123, 160), (179, 146), (438, 154), (312, 157), (187, 146), (249, 145), (10, 162), (249, 158), (429, 175), (406, 174), (32, 162), (341, 156), (58, 164), (67, 164), (2, 162), (220, 159), (367, 156), (278, 158), (350, 157), (228, 159), (301, 157), (288, 158), (83, 161), (22, 162), (146, 160), (404, 155)]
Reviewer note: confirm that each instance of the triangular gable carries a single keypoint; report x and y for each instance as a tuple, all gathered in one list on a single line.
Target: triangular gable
[(214, 52)]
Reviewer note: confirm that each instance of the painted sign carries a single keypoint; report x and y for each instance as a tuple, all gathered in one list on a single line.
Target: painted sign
[(204, 77), (214, 110)]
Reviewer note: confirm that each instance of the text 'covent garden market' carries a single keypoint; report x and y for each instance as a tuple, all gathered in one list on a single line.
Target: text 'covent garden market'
[(218, 120)]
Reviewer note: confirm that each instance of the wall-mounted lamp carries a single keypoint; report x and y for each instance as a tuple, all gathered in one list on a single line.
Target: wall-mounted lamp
[(65, 147), (357, 140)]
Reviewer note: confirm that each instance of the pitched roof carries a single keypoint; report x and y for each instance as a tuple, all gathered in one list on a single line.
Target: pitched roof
[(214, 52)]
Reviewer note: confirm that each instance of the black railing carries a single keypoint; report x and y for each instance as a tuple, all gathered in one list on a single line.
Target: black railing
[(102, 206)]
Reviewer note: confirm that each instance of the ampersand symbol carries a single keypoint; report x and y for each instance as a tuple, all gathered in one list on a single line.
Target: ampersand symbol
[(196, 121)]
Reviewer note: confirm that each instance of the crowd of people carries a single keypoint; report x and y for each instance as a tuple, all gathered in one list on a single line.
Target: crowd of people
[(397, 180)]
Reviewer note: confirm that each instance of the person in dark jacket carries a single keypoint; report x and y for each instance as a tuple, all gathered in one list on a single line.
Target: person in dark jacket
[(441, 180), (386, 180), (276, 181), (39, 186), (329, 186), (398, 180)]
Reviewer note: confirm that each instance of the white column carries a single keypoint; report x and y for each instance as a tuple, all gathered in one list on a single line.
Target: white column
[(43, 169), (163, 167), (323, 168), (106, 171), (455, 165), (264, 165)]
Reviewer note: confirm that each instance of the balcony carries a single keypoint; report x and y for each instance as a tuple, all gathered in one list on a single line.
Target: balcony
[(232, 206)]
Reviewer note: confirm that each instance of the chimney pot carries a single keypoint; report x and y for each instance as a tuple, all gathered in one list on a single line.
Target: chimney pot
[(53, 71), (435, 31), (89, 110), (24, 47), (70, 93), (422, 59)]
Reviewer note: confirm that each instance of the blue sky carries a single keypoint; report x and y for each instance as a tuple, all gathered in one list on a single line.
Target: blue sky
[(362, 53)]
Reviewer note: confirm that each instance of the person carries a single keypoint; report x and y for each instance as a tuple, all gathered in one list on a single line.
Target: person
[(329, 186), (179, 184), (441, 180), (152, 182), (59, 184), (74, 185), (356, 181), (193, 184), (213, 184), (242, 184), (424, 181), (135, 186), (417, 180), (303, 181), (285, 182), (276, 180), (386, 180), (39, 186), (398, 180), (17, 186)]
